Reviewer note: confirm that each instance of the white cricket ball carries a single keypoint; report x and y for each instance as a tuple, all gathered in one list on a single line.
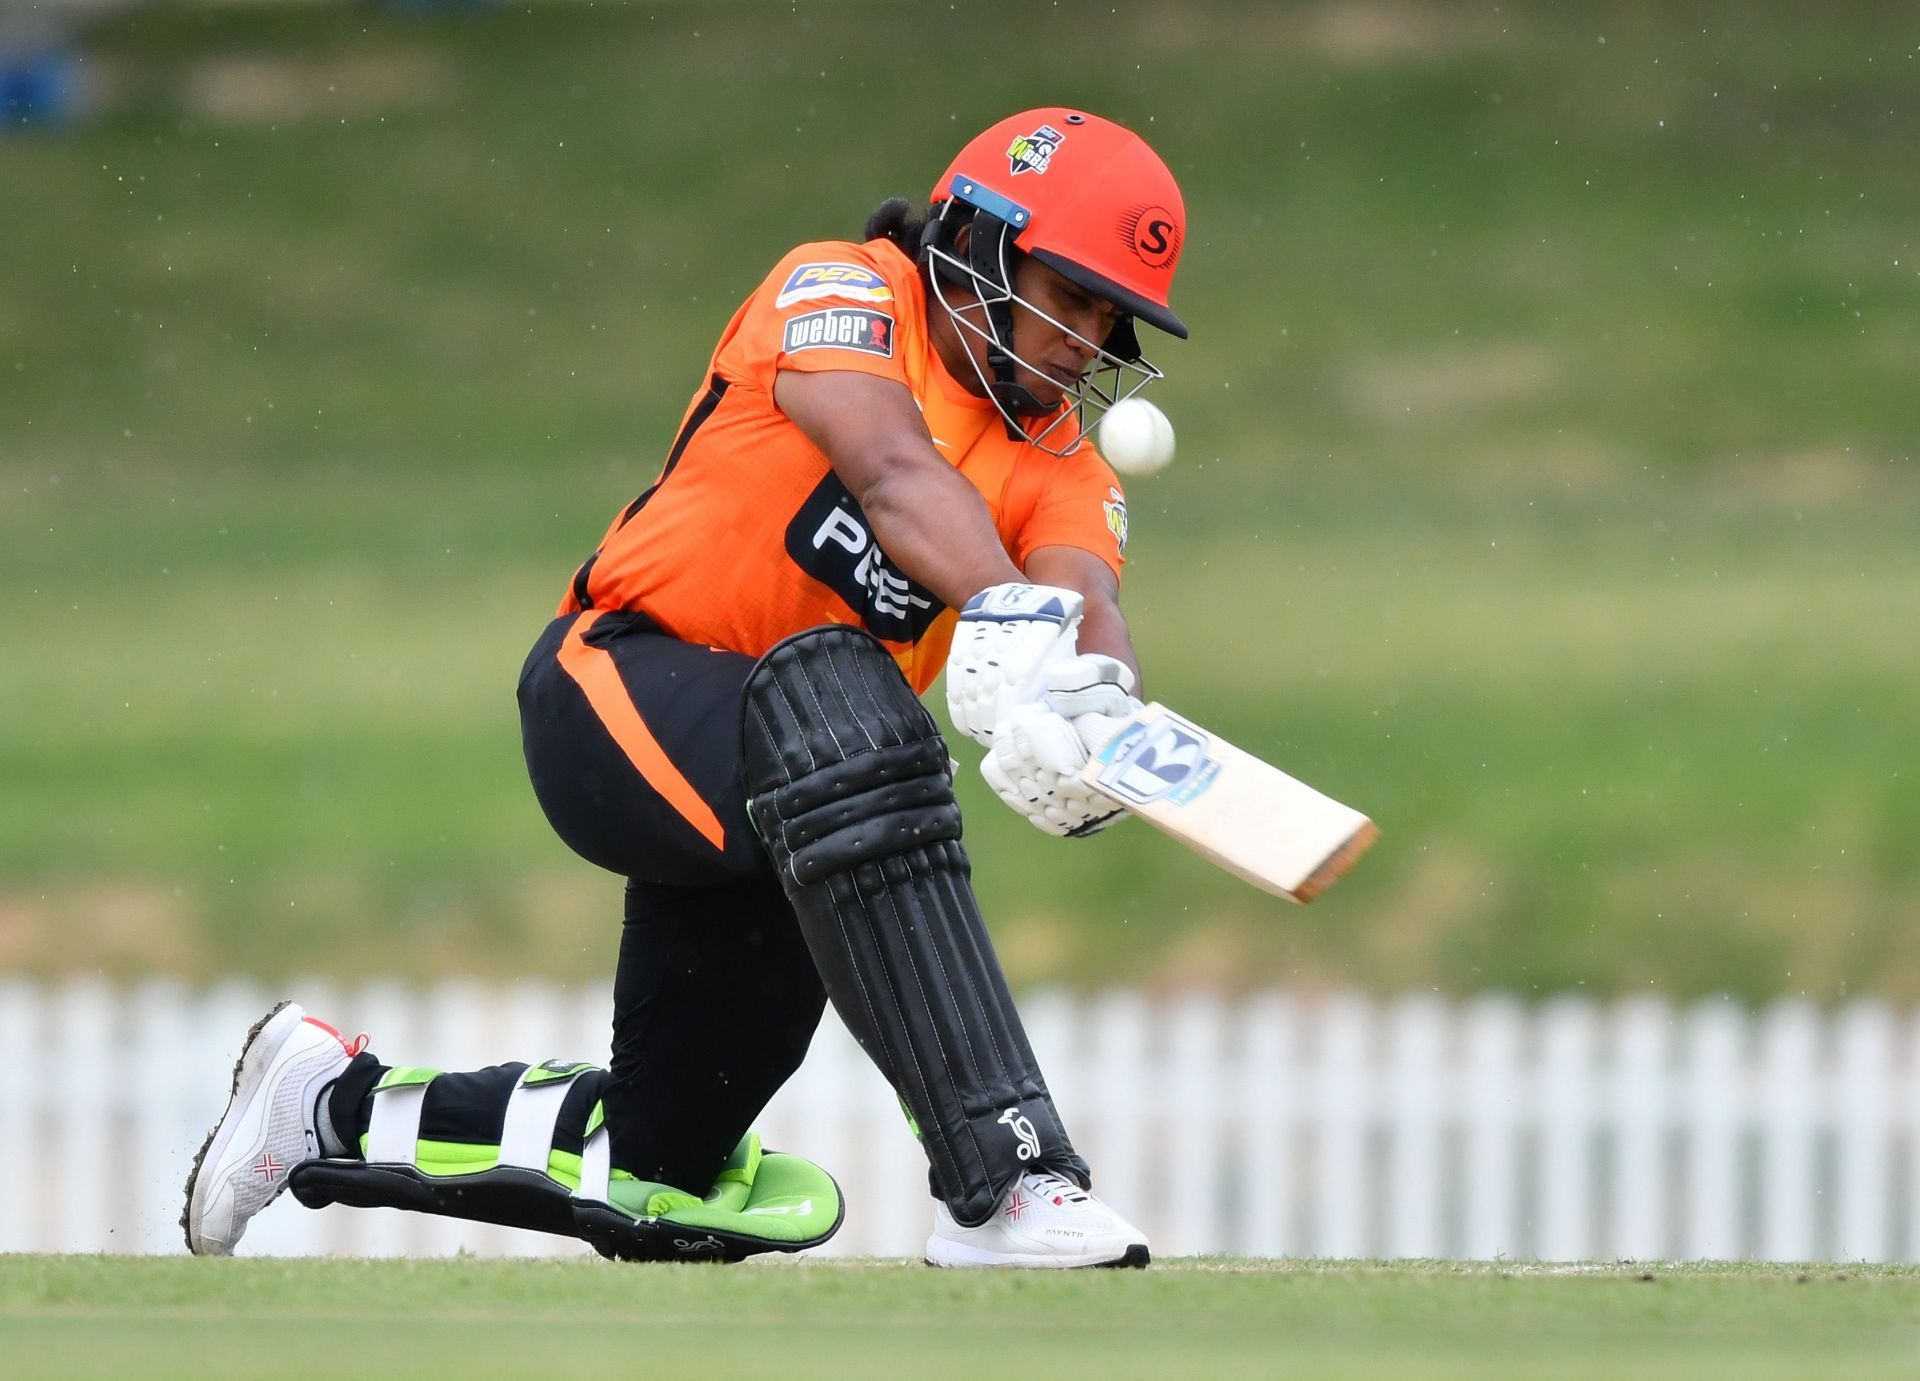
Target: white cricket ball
[(1136, 438)]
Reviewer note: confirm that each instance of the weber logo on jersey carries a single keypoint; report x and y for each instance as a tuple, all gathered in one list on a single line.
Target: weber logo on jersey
[(829, 539), (841, 328), (811, 282), (1166, 759)]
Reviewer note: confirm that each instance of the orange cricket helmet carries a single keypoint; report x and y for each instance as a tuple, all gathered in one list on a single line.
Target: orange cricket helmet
[(1084, 196), (1091, 201)]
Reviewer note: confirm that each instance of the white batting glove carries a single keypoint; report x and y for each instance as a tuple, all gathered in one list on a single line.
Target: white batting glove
[(1094, 692), (1034, 767), (1006, 637)]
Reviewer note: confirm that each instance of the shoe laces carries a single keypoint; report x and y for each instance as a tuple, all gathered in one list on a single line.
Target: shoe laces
[(352, 1047), (1056, 1189)]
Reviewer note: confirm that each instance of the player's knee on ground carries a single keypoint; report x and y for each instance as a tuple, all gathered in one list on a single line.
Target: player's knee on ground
[(541, 1159)]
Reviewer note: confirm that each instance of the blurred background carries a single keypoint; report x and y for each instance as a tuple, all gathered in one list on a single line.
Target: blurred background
[(1546, 480)]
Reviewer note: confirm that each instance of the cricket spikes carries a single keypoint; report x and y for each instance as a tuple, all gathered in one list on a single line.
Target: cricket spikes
[(268, 1127), (1044, 1220)]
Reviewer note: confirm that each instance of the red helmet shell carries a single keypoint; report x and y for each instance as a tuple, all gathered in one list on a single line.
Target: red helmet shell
[(1088, 199)]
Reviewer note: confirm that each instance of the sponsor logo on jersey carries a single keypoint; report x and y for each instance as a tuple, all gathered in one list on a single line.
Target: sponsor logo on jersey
[(841, 328), (811, 282), (830, 540), (1031, 153), (1166, 758), (1116, 510), (1152, 233)]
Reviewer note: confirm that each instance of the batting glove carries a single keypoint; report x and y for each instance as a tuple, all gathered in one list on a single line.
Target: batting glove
[(1006, 637), (1034, 767)]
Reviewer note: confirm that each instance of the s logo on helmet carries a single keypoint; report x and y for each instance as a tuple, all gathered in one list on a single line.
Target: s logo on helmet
[(1152, 233), (1031, 153)]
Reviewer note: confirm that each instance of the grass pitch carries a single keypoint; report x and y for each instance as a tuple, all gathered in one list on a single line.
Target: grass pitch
[(75, 1317)]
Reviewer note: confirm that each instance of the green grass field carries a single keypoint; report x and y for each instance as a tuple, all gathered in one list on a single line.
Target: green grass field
[(1546, 482), (76, 1317)]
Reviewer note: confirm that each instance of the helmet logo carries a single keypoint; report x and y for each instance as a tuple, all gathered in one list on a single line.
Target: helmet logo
[(1030, 153), (1152, 233)]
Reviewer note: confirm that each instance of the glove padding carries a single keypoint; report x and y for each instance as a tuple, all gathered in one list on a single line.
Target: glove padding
[(1005, 639), (1091, 683), (1035, 763)]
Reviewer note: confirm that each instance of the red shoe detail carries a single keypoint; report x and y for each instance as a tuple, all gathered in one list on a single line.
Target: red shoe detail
[(352, 1047)]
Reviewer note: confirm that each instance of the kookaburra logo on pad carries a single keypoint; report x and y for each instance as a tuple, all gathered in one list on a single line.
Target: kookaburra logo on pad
[(1022, 1127)]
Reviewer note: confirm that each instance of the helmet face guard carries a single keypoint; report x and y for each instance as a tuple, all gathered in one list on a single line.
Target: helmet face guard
[(1118, 370)]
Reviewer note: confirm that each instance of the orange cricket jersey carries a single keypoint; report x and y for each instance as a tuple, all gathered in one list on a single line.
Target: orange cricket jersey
[(748, 536)]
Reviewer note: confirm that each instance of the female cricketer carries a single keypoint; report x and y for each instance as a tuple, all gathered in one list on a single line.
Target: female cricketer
[(882, 475)]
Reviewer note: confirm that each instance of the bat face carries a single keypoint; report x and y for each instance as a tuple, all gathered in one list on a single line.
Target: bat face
[(1246, 815), (1158, 759)]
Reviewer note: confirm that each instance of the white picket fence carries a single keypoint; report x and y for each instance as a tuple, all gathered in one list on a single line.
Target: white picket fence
[(1281, 1125)]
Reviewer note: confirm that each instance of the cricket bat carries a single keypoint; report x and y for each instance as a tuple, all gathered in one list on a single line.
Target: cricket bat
[(1228, 806)]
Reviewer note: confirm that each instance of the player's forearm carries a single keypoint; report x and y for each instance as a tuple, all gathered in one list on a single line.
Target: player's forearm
[(932, 524), (935, 527), (1103, 628)]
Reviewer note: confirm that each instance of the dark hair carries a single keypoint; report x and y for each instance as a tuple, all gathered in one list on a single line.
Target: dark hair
[(897, 219)]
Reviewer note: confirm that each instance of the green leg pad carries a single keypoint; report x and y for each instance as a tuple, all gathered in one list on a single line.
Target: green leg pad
[(790, 1205), (762, 1203)]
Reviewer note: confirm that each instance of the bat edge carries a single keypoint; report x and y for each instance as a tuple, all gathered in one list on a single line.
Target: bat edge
[(1336, 864)]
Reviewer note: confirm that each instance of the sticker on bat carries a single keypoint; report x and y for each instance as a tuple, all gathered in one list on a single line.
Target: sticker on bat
[(1166, 758)]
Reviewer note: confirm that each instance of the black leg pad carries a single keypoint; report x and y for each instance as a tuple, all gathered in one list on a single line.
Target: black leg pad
[(848, 784)]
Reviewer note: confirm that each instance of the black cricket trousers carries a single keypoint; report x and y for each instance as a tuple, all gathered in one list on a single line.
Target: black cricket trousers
[(632, 740)]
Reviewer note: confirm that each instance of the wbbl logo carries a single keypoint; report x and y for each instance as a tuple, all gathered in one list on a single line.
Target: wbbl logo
[(1031, 153), (1165, 758)]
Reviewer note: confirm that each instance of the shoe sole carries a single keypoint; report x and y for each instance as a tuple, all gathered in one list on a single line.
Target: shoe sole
[(214, 1132), (1136, 1255)]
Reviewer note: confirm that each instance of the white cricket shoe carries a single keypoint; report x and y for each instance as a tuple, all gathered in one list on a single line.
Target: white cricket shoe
[(1045, 1220), (268, 1127)]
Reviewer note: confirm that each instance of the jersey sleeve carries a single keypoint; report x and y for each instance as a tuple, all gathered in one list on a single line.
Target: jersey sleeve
[(1076, 502), (825, 306)]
